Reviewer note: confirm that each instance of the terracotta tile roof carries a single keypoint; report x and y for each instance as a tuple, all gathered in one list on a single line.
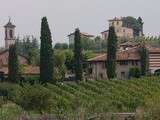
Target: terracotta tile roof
[(116, 19), (129, 43), (84, 34), (104, 31), (131, 54), (87, 34), (29, 70), (153, 50)]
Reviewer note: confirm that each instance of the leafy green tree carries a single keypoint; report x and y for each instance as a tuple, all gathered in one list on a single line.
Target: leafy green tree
[(61, 46), (140, 21), (133, 23), (69, 61), (78, 56), (13, 65), (59, 66), (111, 53), (46, 53), (33, 56), (28, 47), (34, 43)]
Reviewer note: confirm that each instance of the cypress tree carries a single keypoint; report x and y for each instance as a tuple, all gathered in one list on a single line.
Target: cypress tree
[(46, 53), (13, 65), (144, 60), (111, 53), (78, 56)]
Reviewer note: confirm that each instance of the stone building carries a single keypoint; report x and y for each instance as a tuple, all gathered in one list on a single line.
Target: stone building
[(9, 34), (125, 60), (121, 31), (127, 57), (4, 54)]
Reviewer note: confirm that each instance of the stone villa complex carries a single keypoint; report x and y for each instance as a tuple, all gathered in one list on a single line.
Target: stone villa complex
[(128, 55), (121, 31), (127, 58)]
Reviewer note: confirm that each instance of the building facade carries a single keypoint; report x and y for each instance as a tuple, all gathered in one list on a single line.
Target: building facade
[(125, 60), (83, 35), (127, 57), (9, 34)]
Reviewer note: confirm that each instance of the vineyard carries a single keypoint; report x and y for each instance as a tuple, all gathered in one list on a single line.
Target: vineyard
[(105, 96), (93, 97)]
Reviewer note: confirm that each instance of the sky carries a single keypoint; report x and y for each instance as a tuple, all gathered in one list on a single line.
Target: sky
[(65, 15)]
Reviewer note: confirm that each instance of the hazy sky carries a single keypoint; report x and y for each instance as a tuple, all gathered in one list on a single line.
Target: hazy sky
[(65, 15)]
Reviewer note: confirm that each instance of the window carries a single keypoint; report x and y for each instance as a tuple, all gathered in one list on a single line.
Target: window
[(11, 33), (6, 33), (123, 63), (103, 65), (117, 22), (106, 36), (90, 70), (122, 75), (134, 63), (112, 23), (101, 75)]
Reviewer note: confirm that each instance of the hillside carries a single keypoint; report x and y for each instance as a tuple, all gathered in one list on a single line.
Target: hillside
[(94, 97)]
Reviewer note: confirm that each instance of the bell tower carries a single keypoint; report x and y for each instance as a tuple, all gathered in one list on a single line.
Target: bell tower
[(9, 34)]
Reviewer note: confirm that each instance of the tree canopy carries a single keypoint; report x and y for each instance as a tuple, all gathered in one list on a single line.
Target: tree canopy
[(135, 24)]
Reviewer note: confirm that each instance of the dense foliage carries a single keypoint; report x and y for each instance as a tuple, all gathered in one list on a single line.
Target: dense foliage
[(29, 47), (135, 72), (135, 24), (111, 53), (13, 65), (46, 53), (59, 65), (96, 45), (78, 69), (61, 46), (144, 60)]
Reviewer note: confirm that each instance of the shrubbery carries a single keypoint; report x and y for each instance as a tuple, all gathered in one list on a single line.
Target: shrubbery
[(34, 97), (134, 72)]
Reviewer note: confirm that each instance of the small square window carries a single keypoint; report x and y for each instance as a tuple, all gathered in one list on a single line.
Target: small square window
[(117, 22)]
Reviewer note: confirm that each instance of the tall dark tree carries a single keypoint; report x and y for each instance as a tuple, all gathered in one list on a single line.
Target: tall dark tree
[(140, 21), (46, 53), (144, 60), (78, 56), (13, 65), (111, 53)]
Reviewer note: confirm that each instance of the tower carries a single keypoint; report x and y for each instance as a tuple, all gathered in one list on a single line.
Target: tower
[(9, 34), (116, 22)]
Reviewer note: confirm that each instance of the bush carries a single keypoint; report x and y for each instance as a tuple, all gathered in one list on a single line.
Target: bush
[(31, 79), (134, 72), (7, 90), (36, 98)]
